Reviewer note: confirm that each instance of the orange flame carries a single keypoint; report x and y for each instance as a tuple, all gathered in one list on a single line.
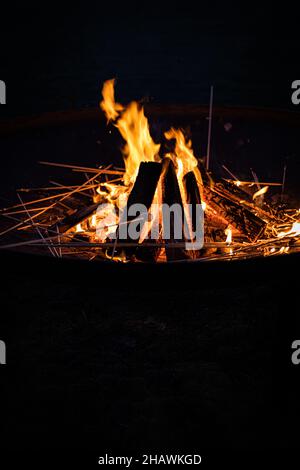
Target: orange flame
[(185, 161), (108, 104), (293, 232), (260, 192), (184, 156), (139, 147), (228, 232), (134, 128)]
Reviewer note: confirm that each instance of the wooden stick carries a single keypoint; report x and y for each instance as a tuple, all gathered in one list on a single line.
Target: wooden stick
[(66, 165), (125, 244), (48, 198), (209, 126), (230, 173), (172, 195), (58, 238), (52, 205), (83, 168), (241, 183), (283, 181), (50, 188), (36, 228), (23, 211), (105, 172)]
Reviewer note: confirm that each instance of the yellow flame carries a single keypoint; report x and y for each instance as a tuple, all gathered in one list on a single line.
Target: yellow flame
[(108, 104), (294, 231), (260, 192), (184, 157), (228, 232), (284, 249), (185, 161), (79, 228), (93, 221), (139, 147), (134, 128), (296, 228)]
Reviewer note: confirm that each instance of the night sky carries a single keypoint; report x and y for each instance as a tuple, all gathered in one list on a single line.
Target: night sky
[(55, 57)]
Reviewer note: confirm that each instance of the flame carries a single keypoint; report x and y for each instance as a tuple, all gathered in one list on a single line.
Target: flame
[(295, 228), (107, 221), (134, 128), (284, 249), (139, 147), (108, 104), (260, 192), (78, 228), (293, 232), (151, 227), (93, 221), (228, 232), (184, 157), (185, 161)]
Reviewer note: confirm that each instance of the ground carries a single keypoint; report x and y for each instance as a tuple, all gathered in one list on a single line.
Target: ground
[(149, 365)]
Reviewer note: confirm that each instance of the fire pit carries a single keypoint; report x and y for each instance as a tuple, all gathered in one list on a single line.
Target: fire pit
[(164, 206)]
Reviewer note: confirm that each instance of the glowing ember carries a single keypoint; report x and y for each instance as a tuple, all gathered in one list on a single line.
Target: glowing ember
[(293, 232), (260, 192), (228, 232)]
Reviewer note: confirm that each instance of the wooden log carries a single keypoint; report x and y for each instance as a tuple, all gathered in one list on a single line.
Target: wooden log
[(238, 195), (142, 193), (171, 195), (237, 192), (235, 214), (75, 218), (193, 194), (193, 199), (205, 176)]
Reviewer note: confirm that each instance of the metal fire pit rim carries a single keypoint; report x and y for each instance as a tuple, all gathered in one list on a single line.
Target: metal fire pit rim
[(66, 117)]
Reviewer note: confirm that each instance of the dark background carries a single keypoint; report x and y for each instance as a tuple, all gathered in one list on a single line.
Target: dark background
[(55, 56), (165, 364)]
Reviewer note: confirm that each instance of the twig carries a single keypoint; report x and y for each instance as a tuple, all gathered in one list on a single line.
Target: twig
[(36, 227), (230, 173), (52, 205), (209, 126), (283, 181)]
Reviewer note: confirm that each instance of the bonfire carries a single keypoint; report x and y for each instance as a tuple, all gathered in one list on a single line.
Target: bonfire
[(225, 219)]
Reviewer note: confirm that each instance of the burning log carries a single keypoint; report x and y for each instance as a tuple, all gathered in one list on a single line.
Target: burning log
[(194, 199), (142, 194), (236, 192), (235, 214), (76, 218), (145, 185), (240, 196), (193, 194), (171, 195)]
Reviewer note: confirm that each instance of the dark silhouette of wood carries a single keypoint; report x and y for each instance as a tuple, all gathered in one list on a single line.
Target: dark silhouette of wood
[(234, 213), (77, 217), (171, 195), (142, 193), (193, 199)]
